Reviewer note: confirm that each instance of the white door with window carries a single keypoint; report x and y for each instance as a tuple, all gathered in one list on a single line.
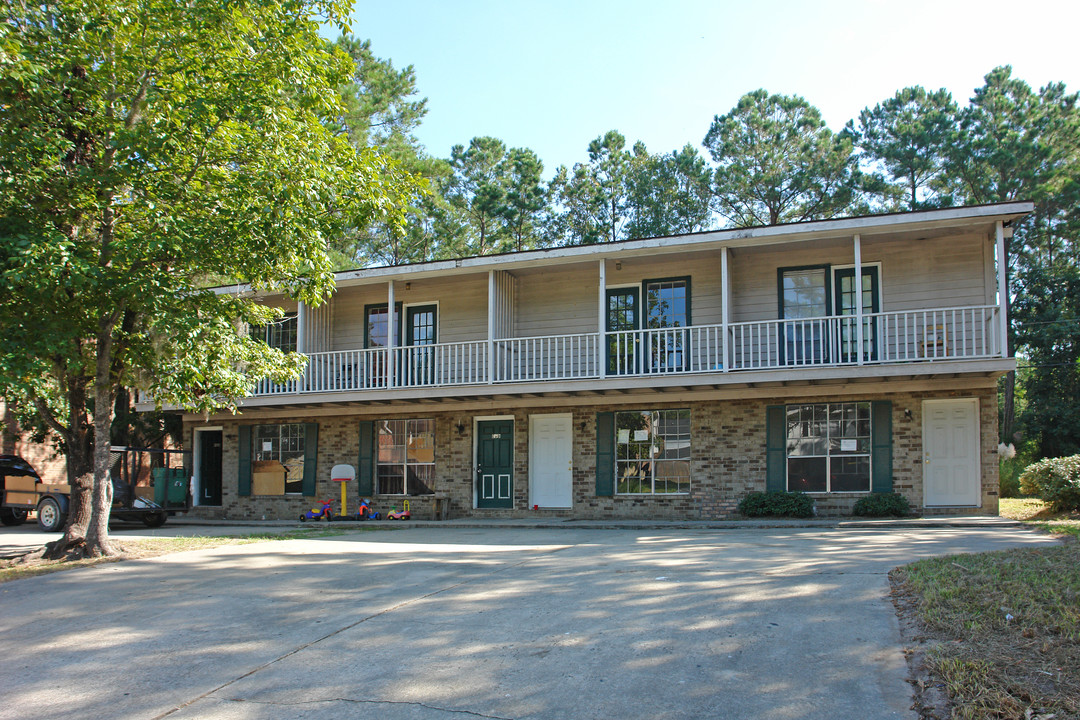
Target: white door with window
[(551, 461), (951, 469)]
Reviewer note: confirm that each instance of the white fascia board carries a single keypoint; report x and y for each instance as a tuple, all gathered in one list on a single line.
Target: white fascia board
[(866, 225)]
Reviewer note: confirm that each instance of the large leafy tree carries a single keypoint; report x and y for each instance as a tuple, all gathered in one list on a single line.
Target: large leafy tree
[(668, 193), (1016, 143), (526, 198), (381, 109), (590, 199), (145, 146), (477, 191), (907, 135), (778, 162)]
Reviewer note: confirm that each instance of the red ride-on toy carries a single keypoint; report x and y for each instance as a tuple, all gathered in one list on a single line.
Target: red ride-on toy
[(316, 513), (366, 513), (403, 515)]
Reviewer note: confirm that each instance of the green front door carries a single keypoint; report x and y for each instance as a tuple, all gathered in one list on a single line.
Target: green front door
[(622, 324), (495, 464), (845, 305), (419, 359)]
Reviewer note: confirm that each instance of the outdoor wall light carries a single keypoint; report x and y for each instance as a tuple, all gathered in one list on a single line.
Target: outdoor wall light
[(460, 428), (618, 265), (907, 413), (408, 286)]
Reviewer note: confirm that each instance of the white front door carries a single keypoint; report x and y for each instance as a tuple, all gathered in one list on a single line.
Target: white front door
[(951, 473), (551, 461)]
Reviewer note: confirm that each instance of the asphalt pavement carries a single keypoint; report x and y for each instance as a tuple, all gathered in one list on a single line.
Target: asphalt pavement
[(506, 621)]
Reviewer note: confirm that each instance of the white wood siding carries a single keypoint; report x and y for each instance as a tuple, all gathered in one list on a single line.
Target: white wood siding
[(932, 273), (557, 301), (462, 308)]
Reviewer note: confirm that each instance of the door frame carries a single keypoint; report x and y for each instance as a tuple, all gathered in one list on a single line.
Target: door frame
[(196, 462), (477, 419), (609, 290), (405, 328), (976, 456), (570, 417), (875, 300)]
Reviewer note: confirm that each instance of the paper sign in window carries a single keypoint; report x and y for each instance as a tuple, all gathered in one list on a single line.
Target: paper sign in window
[(641, 435), (268, 445), (849, 445), (624, 436)]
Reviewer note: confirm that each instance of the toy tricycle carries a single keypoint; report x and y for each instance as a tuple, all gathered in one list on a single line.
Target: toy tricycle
[(365, 512), (316, 513)]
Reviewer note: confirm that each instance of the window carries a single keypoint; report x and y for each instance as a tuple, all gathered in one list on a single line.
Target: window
[(828, 447), (377, 319), (280, 334), (804, 297), (405, 457), (667, 305), (283, 444), (652, 452)]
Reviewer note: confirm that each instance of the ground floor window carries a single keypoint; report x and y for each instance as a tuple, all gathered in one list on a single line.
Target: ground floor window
[(273, 444), (405, 457), (828, 447), (652, 452)]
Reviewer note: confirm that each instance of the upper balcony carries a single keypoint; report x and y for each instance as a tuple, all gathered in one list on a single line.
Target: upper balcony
[(733, 307), (915, 336)]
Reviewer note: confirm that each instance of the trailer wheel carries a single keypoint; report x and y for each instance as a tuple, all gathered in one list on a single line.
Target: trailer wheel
[(12, 516), (50, 518), (154, 520)]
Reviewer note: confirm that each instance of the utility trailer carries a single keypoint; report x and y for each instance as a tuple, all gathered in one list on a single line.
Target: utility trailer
[(148, 497)]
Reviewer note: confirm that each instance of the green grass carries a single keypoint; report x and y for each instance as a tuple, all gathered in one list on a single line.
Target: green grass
[(13, 569), (1008, 629)]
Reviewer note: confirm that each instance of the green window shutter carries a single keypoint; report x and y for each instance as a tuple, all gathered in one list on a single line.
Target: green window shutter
[(605, 454), (365, 466), (881, 446), (311, 451), (775, 449), (244, 451)]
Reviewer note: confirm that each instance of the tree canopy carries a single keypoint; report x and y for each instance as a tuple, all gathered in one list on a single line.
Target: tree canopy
[(145, 148)]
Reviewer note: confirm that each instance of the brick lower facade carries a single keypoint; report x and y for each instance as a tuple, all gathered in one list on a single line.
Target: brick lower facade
[(728, 460)]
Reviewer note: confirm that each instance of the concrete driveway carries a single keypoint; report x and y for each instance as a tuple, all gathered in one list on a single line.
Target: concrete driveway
[(433, 623)]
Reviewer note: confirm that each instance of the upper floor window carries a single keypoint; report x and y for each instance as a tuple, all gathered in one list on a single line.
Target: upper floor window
[(280, 334), (377, 325)]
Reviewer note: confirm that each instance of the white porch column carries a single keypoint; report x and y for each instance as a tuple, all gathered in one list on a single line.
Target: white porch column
[(301, 340), (1003, 298), (301, 327), (725, 317), (491, 327), (391, 326), (601, 321), (858, 300)]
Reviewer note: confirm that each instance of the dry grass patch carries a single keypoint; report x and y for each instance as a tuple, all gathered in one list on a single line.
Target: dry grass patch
[(16, 568), (1007, 629), (1039, 514)]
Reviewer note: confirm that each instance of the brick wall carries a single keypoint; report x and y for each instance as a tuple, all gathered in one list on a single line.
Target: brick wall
[(728, 460)]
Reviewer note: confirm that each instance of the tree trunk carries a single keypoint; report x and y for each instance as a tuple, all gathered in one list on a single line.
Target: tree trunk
[(78, 441), (97, 534)]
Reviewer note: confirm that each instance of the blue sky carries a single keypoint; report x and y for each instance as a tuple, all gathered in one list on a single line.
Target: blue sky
[(552, 76)]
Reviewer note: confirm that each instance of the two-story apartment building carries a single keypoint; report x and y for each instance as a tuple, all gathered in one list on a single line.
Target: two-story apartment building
[(661, 378)]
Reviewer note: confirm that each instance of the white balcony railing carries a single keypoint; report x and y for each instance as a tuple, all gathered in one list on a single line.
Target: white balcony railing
[(961, 333)]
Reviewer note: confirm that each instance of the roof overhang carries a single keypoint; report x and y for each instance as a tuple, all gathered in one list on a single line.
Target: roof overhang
[(915, 225)]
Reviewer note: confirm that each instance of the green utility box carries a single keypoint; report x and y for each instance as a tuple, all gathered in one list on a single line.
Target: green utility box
[(170, 487)]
